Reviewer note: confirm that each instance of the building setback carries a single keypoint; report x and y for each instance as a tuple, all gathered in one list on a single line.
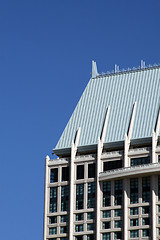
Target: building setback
[(105, 183)]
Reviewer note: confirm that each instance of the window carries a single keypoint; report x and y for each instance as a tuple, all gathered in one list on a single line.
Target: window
[(79, 238), (159, 158), (118, 235), (80, 172), (90, 226), (79, 228), (134, 234), (54, 175), (106, 236), (140, 161), (118, 192), (52, 219), (64, 218), (53, 199), (118, 224), (146, 189), (63, 229), (91, 195), (145, 233), (90, 215), (133, 190), (134, 222), (91, 170), (52, 231), (145, 221), (64, 198), (79, 196), (79, 216), (159, 187), (106, 225), (106, 194), (90, 237), (112, 165), (134, 211), (145, 210), (118, 212), (107, 214), (65, 173)]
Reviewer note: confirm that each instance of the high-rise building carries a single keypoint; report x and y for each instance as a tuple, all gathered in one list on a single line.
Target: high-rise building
[(105, 183)]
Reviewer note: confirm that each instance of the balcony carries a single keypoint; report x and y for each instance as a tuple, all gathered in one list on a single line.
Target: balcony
[(151, 168)]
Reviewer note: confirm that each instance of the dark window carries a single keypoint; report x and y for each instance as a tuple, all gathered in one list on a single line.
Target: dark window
[(134, 222), (145, 233), (106, 225), (133, 190), (90, 237), (158, 188), (118, 212), (54, 175), (53, 199), (112, 165), (90, 215), (134, 211), (64, 218), (79, 238), (91, 170), (79, 196), (140, 161), (118, 235), (90, 226), (106, 194), (64, 229), (145, 210), (107, 214), (52, 231), (80, 171), (79, 228), (64, 198), (145, 221), (53, 220), (79, 216), (106, 236), (91, 195), (146, 189), (118, 192), (65, 173)]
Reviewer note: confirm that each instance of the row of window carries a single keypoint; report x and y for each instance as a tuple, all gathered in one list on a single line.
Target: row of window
[(64, 199), (108, 165)]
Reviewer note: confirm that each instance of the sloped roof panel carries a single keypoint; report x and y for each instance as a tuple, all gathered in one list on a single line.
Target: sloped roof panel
[(120, 91)]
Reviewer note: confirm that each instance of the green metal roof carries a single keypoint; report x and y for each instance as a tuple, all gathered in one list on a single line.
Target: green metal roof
[(120, 91)]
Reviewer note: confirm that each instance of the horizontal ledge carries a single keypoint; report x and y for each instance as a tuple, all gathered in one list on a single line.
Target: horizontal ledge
[(130, 171)]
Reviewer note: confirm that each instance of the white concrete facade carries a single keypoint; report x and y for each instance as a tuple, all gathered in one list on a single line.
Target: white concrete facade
[(137, 219)]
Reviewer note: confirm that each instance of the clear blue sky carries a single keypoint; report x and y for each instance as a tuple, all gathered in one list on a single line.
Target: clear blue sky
[(46, 48)]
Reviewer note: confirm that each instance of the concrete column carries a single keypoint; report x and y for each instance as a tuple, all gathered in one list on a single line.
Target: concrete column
[(125, 208), (98, 193), (153, 204), (46, 199), (153, 147), (72, 196)]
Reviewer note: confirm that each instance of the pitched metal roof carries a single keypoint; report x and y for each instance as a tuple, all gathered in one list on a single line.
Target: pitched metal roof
[(120, 91)]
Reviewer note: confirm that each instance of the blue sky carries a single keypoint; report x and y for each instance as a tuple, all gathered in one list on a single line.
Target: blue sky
[(46, 49)]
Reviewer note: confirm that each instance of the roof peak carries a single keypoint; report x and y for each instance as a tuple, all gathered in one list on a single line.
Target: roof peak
[(117, 70)]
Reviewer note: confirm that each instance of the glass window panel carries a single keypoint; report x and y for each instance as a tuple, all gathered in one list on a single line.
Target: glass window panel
[(91, 170), (140, 161), (79, 216), (54, 175), (65, 173), (134, 211), (80, 172), (106, 225), (106, 194), (107, 214), (52, 219)]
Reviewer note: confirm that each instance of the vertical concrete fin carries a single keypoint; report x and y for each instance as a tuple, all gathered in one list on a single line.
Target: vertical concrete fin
[(130, 128), (104, 128), (77, 137), (94, 69), (157, 124), (154, 147)]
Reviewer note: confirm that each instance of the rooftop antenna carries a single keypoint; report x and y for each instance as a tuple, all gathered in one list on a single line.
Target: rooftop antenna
[(143, 64), (116, 68), (94, 69)]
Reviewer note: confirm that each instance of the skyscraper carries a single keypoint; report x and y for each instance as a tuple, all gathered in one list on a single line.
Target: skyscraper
[(105, 183)]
